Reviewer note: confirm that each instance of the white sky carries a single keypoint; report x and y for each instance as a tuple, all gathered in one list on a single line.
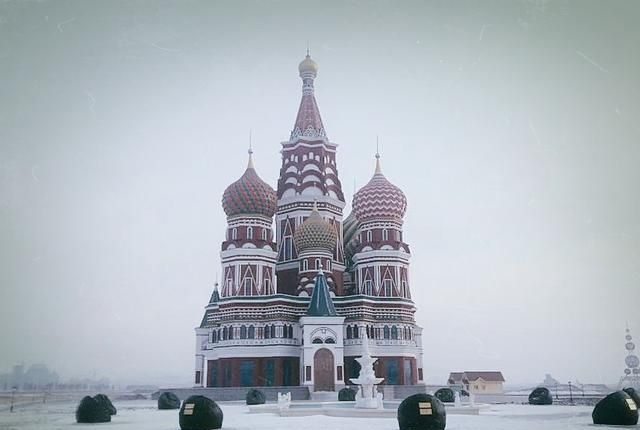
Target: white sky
[(512, 127)]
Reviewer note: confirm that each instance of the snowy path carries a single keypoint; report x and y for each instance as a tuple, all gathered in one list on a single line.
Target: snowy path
[(143, 415)]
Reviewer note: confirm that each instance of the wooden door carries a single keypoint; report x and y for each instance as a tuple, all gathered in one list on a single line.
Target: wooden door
[(323, 377)]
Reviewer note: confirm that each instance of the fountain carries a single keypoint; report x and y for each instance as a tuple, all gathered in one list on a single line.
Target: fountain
[(368, 403), (368, 396)]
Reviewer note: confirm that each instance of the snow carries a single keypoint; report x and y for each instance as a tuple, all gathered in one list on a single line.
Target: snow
[(144, 415)]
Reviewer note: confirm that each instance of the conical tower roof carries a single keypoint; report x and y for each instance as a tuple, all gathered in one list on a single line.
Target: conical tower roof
[(308, 122), (321, 304)]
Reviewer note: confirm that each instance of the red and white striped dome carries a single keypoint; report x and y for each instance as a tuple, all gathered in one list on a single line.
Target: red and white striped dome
[(249, 195), (379, 199)]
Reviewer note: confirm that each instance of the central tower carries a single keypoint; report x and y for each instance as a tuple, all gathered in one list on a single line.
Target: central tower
[(308, 183)]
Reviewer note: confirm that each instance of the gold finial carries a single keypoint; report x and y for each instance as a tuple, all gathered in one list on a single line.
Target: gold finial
[(308, 55)]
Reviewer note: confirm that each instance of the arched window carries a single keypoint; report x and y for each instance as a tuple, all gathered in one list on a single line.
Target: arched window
[(394, 332), (243, 332), (316, 340), (386, 332), (385, 234), (234, 234), (355, 332), (329, 340), (349, 332), (252, 332), (267, 332), (273, 330), (225, 333), (249, 232), (305, 265), (369, 236), (328, 264), (405, 290), (264, 234), (231, 329), (267, 286), (214, 336), (318, 264)]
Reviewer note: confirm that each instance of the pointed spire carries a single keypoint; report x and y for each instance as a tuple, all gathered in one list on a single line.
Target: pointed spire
[(308, 122), (321, 304), (378, 168), (250, 152), (215, 296)]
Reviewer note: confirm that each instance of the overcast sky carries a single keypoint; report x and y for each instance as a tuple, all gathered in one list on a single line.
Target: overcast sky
[(513, 127)]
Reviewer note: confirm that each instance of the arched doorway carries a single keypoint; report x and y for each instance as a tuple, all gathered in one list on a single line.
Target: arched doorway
[(323, 364)]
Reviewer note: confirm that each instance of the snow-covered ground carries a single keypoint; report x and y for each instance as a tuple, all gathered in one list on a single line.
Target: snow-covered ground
[(143, 415)]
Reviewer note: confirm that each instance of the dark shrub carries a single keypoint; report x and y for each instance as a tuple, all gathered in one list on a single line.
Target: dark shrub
[(347, 395), (422, 412), (255, 397), (617, 409), (445, 395), (106, 402), (200, 413), (540, 396), (168, 400), (91, 411)]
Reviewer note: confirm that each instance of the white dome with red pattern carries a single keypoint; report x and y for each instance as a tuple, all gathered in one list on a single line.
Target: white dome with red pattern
[(379, 200)]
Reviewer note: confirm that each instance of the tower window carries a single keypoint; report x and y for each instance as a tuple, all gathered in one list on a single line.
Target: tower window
[(367, 287), (387, 285), (305, 265), (287, 248), (318, 264), (385, 234), (267, 286), (248, 286), (328, 264), (369, 236), (234, 234), (249, 232), (264, 234)]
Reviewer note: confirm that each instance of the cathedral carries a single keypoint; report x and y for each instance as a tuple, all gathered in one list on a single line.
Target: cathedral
[(294, 307)]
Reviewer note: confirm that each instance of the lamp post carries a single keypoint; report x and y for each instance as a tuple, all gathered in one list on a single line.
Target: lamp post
[(570, 393), (13, 394)]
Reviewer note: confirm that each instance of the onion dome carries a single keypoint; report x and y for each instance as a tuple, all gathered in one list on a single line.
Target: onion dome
[(308, 65), (379, 199), (315, 233), (249, 195), (349, 232)]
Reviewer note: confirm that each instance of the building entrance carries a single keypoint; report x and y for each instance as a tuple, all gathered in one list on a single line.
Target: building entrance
[(323, 365)]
